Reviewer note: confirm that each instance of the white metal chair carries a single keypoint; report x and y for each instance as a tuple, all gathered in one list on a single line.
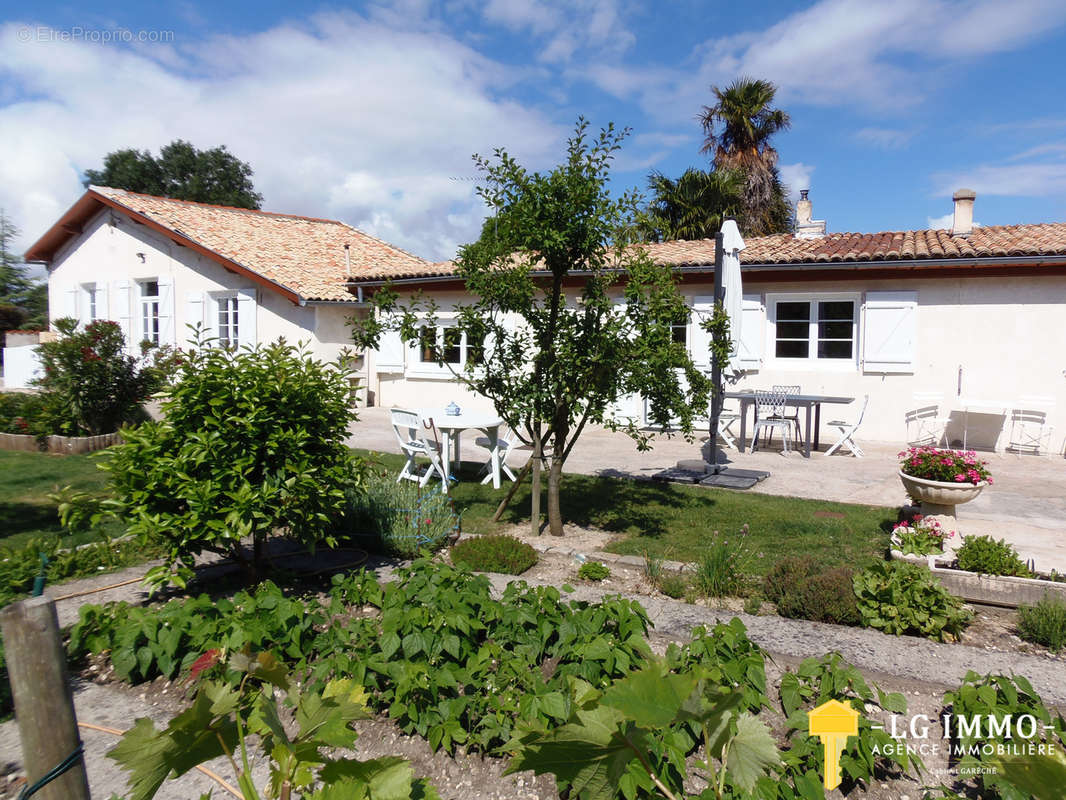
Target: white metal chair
[(924, 423), (506, 440), (791, 414), (726, 418), (847, 432), (411, 435), (1029, 431), (770, 414)]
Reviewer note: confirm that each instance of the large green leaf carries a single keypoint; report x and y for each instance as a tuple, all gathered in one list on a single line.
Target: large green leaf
[(1043, 775), (388, 778), (649, 697), (752, 752)]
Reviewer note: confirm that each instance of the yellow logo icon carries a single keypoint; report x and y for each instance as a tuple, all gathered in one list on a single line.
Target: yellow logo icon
[(833, 722)]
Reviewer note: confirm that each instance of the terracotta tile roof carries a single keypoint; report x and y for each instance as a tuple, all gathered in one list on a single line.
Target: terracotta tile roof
[(993, 241), (303, 254)]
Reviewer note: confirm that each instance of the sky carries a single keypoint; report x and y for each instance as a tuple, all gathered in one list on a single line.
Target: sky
[(371, 112)]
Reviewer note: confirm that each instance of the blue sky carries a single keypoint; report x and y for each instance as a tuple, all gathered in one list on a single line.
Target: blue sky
[(370, 112)]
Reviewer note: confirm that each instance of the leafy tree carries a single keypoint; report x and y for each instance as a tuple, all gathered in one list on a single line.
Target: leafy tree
[(693, 206), (738, 129), (182, 172), (23, 301), (556, 348), (250, 442)]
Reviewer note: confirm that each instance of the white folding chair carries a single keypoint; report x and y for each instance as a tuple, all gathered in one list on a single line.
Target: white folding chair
[(725, 419), (770, 415), (411, 435), (1029, 431), (506, 440), (924, 423), (847, 432)]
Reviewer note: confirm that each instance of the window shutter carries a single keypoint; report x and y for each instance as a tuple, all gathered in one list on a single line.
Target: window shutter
[(70, 302), (390, 352), (246, 317), (699, 340), (166, 310), (752, 334), (122, 311), (888, 336), (194, 312)]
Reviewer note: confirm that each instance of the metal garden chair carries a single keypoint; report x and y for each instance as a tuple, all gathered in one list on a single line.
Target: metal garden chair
[(411, 435), (770, 415)]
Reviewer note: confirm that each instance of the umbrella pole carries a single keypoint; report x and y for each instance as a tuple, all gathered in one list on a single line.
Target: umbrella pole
[(716, 369)]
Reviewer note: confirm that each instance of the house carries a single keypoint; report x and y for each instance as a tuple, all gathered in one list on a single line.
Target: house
[(156, 265), (968, 318), (972, 319)]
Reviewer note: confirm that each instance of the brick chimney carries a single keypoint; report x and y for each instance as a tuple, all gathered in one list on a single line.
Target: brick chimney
[(962, 221), (807, 228)]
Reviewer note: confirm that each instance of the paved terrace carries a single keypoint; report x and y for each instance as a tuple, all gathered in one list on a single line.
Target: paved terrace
[(1026, 505)]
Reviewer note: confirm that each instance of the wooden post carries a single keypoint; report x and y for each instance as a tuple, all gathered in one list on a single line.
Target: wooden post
[(44, 705)]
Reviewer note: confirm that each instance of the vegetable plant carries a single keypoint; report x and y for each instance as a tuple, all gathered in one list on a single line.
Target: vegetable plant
[(988, 556), (901, 598)]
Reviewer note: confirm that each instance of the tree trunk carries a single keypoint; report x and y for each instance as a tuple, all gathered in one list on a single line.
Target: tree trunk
[(534, 492), (555, 479), (511, 492)]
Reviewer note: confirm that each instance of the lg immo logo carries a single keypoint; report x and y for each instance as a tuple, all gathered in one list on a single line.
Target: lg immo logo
[(833, 722)]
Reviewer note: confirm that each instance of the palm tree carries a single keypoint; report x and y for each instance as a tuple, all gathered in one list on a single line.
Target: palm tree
[(738, 129), (693, 206)]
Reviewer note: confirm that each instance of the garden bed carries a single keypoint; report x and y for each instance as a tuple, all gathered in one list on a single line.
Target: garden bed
[(67, 445)]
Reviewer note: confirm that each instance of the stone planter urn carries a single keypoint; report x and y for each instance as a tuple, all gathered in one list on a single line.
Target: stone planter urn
[(939, 498)]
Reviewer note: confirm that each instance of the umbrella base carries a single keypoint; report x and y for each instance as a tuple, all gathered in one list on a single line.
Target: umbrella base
[(706, 474)]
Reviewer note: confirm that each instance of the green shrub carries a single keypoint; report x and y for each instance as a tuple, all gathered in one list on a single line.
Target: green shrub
[(504, 554), (673, 586), (901, 598), (1044, 623), (252, 441), (89, 385), (400, 519), (593, 571), (823, 597), (21, 412), (989, 556), (722, 571), (785, 574)]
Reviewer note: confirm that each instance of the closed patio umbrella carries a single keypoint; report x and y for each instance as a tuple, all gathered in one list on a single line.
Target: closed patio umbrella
[(732, 288)]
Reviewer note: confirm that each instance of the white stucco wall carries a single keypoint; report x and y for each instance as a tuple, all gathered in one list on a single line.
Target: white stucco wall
[(1006, 334), (112, 249)]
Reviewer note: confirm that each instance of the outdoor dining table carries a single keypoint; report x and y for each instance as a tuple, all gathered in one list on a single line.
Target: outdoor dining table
[(810, 402), (451, 427)]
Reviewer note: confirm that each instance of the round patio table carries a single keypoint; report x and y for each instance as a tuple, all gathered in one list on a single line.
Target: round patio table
[(452, 426)]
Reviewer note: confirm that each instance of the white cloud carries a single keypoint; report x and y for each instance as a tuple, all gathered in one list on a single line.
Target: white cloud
[(1012, 180), (940, 223), (796, 177), (340, 117), (593, 29), (884, 138)]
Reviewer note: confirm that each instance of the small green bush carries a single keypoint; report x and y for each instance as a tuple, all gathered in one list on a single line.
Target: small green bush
[(901, 598), (400, 519), (988, 556), (504, 554), (722, 571), (593, 571), (785, 574), (673, 586), (822, 597), (1044, 623), (23, 413)]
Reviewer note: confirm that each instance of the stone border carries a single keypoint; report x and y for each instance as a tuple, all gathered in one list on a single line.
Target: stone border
[(67, 445), (990, 590)]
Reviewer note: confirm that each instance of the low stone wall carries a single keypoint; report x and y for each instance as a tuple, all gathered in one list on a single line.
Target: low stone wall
[(67, 445)]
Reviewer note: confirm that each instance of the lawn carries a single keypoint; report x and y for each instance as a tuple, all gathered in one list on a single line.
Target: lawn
[(25, 481), (677, 522)]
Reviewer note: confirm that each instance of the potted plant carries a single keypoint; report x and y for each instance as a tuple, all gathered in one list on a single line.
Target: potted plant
[(921, 536), (942, 479)]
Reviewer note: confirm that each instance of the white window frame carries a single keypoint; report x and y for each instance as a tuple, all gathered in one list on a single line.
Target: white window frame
[(231, 335), (151, 308), (812, 362), (91, 292), (417, 367)]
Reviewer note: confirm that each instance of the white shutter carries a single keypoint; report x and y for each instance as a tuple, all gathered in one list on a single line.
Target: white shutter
[(194, 313), (101, 301), (70, 302), (166, 310), (122, 311), (752, 333), (888, 334), (390, 353), (699, 347), (246, 318)]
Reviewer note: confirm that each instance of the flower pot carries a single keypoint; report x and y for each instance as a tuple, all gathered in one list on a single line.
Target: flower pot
[(940, 497)]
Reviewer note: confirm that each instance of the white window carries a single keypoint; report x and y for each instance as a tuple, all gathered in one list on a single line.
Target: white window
[(449, 344), (228, 321), (92, 311), (150, 311), (679, 331), (813, 330)]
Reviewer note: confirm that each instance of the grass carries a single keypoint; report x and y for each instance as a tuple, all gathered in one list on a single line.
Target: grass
[(678, 522), (26, 512)]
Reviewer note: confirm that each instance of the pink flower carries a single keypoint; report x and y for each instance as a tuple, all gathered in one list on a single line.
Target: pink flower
[(960, 478)]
